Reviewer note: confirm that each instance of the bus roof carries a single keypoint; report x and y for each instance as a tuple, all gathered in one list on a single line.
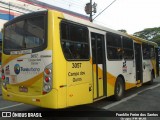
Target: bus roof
[(93, 25), (90, 24), (138, 39)]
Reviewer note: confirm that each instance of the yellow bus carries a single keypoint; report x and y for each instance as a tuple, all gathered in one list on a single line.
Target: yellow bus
[(54, 60)]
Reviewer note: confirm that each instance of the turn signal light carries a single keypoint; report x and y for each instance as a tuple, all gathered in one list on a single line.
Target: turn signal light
[(3, 77), (47, 71), (47, 79)]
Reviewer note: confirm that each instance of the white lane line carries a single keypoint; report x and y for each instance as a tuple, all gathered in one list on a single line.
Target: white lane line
[(11, 106), (127, 98), (118, 102), (154, 86)]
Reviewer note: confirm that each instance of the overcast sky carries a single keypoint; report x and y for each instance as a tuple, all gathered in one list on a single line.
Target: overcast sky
[(131, 15)]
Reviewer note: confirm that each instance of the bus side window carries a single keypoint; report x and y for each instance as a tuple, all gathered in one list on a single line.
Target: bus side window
[(148, 51), (127, 48), (74, 41), (152, 52), (66, 50), (114, 46)]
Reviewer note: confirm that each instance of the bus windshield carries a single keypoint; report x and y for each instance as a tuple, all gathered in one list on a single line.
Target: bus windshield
[(25, 34)]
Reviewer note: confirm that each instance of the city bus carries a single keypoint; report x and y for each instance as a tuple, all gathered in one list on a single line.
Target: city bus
[(55, 60)]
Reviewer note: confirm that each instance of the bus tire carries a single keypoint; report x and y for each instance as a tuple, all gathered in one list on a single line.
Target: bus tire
[(152, 77), (119, 89)]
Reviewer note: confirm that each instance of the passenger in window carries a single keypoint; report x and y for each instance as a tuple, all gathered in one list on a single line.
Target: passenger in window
[(76, 54), (119, 50), (84, 52), (66, 51), (73, 51), (119, 53)]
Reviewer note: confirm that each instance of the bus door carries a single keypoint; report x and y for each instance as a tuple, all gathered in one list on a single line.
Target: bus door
[(138, 62), (99, 64), (157, 61)]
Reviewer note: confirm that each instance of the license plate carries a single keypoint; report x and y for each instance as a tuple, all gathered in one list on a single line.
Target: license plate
[(23, 89)]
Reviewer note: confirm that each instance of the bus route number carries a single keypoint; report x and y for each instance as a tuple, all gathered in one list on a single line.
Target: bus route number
[(76, 65)]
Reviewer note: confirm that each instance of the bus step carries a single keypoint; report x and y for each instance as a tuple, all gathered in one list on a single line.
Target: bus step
[(139, 84)]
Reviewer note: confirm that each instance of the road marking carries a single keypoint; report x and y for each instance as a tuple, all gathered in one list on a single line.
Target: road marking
[(11, 106), (154, 86), (127, 98)]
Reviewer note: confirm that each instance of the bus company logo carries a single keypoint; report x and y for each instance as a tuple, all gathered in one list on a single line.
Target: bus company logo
[(17, 69)]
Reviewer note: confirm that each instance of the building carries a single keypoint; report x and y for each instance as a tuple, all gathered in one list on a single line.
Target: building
[(13, 8), (10, 9)]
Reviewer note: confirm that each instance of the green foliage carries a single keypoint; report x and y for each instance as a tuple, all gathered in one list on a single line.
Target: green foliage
[(152, 34), (157, 39)]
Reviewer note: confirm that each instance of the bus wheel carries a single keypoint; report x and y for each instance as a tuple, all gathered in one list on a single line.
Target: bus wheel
[(119, 89), (152, 77)]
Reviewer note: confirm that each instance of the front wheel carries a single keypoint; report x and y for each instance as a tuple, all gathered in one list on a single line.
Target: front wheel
[(119, 89)]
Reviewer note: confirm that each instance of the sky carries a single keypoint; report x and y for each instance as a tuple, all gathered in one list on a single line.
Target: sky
[(131, 15)]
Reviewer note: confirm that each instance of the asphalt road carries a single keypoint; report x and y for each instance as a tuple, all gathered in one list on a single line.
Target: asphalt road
[(145, 100)]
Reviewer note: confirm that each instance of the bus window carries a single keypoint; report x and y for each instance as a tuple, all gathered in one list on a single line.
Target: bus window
[(74, 41), (127, 48), (64, 31), (152, 52), (25, 34), (114, 46), (148, 51), (97, 55)]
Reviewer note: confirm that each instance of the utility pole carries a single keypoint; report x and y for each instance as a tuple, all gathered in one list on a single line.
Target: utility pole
[(91, 12), (9, 10), (89, 8)]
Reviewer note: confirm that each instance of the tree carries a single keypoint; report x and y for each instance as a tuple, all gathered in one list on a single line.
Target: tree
[(152, 34)]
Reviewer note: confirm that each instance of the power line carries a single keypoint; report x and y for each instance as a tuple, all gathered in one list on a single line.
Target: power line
[(104, 9)]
